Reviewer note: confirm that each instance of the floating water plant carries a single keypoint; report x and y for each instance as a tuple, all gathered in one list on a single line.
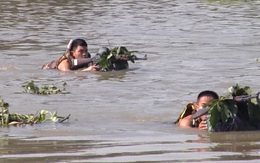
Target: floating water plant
[(106, 58), (32, 88), (7, 118)]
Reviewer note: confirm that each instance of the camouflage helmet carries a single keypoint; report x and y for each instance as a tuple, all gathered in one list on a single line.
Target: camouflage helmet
[(103, 51)]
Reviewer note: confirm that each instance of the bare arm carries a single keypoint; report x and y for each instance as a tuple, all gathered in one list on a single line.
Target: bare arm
[(92, 68), (80, 63), (76, 64), (64, 66), (186, 122)]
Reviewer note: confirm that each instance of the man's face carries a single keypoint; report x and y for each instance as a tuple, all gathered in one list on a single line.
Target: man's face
[(203, 101), (80, 52)]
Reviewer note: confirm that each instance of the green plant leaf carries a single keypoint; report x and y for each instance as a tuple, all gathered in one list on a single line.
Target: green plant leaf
[(223, 114), (117, 53), (214, 114), (7, 118), (31, 88)]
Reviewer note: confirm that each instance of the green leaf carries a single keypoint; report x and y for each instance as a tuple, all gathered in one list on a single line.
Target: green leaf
[(254, 112), (6, 118), (258, 100), (117, 53), (220, 112), (42, 117), (3, 104), (30, 87), (224, 112), (18, 119), (242, 91), (214, 114), (109, 56)]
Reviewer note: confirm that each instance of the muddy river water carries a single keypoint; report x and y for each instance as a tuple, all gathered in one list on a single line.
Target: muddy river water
[(127, 116)]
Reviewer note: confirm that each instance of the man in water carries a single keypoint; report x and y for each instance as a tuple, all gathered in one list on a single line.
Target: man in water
[(185, 119), (76, 57)]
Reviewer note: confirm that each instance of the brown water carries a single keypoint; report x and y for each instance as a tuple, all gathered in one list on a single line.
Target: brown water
[(127, 116)]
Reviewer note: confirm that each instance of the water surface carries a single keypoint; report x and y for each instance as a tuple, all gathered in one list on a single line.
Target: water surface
[(127, 116)]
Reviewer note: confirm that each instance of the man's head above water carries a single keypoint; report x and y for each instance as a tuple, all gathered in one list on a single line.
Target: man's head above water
[(204, 98)]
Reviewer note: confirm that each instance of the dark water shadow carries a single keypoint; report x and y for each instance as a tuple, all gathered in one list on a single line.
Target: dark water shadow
[(113, 75)]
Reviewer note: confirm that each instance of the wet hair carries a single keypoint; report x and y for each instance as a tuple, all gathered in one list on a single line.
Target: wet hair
[(208, 93), (78, 42)]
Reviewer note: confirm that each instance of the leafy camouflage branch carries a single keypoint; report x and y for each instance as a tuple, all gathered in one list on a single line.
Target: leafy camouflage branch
[(238, 110), (108, 57)]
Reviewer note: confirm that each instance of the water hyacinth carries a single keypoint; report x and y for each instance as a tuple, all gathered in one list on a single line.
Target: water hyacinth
[(7, 118), (32, 88)]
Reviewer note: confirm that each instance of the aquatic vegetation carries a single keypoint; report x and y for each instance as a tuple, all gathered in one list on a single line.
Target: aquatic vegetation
[(117, 54), (7, 118), (238, 110), (32, 88)]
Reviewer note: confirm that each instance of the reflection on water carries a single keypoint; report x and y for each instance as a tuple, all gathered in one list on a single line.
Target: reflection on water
[(127, 116), (212, 147), (111, 75)]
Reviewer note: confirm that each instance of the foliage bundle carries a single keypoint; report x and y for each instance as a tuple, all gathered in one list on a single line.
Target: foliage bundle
[(32, 88), (118, 55), (7, 118), (238, 110)]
